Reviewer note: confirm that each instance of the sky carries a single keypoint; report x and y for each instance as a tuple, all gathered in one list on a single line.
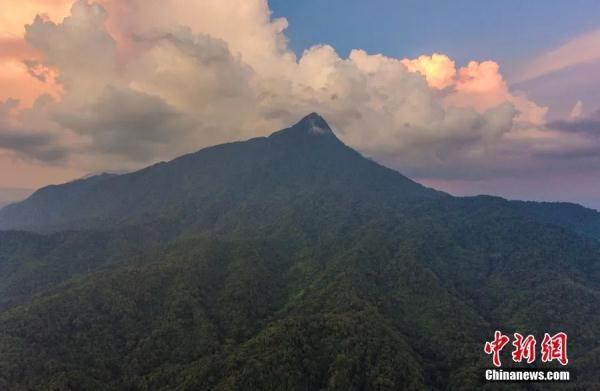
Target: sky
[(470, 97)]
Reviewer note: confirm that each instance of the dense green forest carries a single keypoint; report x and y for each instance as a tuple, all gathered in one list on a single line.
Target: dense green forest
[(285, 263)]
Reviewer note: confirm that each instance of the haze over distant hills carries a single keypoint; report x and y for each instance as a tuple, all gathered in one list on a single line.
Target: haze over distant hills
[(285, 262)]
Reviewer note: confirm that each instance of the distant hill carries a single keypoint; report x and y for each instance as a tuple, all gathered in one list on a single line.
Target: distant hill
[(288, 262)]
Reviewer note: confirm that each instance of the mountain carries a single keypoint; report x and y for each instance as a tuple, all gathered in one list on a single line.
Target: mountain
[(288, 262), (583, 220), (304, 159)]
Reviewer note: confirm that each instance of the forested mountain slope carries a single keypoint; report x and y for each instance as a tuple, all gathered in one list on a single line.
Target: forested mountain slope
[(285, 263)]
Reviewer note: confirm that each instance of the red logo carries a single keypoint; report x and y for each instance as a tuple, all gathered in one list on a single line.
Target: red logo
[(555, 348), (496, 346), (552, 348), (524, 348)]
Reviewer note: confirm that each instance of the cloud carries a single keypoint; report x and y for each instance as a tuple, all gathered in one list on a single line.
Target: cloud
[(138, 84), (79, 47), (438, 69), (28, 144), (579, 50), (39, 146), (571, 145), (577, 110), (479, 85), (176, 93), (580, 124), (127, 123), (15, 79)]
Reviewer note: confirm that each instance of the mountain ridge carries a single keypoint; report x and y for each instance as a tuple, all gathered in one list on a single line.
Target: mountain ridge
[(59, 207), (316, 152), (287, 262)]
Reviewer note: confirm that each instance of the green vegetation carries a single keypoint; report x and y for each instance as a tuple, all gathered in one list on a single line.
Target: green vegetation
[(285, 263)]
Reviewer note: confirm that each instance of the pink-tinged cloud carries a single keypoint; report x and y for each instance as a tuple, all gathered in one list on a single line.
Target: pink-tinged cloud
[(482, 85), (19, 80), (479, 85)]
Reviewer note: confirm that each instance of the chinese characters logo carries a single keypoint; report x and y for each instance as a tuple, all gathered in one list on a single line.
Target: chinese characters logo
[(552, 348)]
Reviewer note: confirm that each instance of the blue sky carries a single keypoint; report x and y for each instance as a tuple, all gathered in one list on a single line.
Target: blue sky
[(507, 31)]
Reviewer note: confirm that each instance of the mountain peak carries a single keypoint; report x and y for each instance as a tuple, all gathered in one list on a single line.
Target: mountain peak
[(311, 125), (314, 124)]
